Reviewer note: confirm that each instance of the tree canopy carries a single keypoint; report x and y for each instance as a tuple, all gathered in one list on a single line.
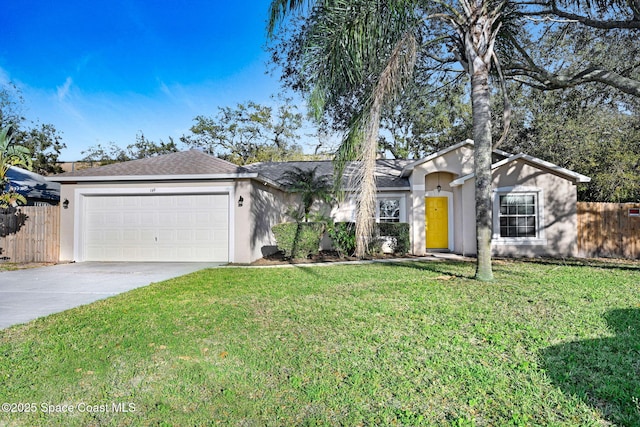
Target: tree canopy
[(43, 141), (142, 148), (248, 133)]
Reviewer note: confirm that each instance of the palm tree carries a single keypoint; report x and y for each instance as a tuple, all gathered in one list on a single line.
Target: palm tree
[(347, 36), (365, 50), (11, 154), (309, 185)]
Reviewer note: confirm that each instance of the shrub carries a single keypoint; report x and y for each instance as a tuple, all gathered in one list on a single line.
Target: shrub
[(343, 237), (11, 220), (298, 239), (398, 232)]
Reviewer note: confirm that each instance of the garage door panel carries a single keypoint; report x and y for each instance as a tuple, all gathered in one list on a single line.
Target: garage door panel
[(156, 228)]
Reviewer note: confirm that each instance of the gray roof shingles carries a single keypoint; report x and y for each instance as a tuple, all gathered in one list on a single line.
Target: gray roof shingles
[(194, 162), (387, 171)]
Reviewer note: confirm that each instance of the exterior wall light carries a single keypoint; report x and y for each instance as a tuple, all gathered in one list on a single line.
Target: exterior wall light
[(240, 201), (65, 204)]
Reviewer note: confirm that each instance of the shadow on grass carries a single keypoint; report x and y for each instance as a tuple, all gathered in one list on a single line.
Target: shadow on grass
[(446, 267), (605, 372), (613, 264)]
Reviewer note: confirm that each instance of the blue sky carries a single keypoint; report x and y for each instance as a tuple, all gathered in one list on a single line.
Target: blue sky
[(101, 71)]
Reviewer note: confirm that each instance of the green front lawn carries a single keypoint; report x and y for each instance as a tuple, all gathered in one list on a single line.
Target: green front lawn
[(412, 344)]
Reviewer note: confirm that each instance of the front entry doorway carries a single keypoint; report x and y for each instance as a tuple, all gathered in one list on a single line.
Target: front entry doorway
[(437, 222)]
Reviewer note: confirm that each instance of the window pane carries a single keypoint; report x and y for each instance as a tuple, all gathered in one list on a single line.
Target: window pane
[(517, 215), (389, 210)]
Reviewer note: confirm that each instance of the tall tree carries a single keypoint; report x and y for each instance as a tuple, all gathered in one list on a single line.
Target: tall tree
[(364, 51), (248, 133)]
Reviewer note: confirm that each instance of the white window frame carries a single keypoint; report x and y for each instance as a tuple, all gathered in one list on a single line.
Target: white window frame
[(402, 200), (540, 237)]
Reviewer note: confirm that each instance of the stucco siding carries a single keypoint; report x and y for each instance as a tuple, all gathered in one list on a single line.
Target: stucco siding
[(268, 207), (558, 219)]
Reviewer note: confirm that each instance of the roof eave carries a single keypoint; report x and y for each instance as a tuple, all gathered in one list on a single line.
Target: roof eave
[(406, 171), (566, 173), (189, 177)]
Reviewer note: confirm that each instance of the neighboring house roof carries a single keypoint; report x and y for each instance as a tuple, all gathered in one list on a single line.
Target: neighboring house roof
[(542, 164), (184, 164), (32, 185)]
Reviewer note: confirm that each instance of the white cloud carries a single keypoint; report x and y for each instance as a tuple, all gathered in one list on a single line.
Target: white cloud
[(63, 91), (4, 77)]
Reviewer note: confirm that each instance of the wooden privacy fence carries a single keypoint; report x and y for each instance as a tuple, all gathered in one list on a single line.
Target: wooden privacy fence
[(37, 240), (609, 230)]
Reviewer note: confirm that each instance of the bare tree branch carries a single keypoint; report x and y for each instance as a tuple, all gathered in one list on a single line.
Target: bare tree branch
[(551, 9), (549, 81)]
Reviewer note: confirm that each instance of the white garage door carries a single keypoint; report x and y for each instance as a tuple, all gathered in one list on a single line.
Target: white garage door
[(184, 228)]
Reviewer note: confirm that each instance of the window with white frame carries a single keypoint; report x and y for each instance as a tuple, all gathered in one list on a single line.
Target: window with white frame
[(518, 216), (389, 210)]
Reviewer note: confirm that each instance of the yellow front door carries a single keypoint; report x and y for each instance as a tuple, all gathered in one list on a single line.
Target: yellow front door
[(437, 222)]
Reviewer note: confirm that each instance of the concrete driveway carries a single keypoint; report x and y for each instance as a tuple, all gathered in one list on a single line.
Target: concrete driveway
[(28, 294)]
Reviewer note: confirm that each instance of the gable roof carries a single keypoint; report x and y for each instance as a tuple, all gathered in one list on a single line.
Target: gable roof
[(541, 164), (406, 171), (184, 164)]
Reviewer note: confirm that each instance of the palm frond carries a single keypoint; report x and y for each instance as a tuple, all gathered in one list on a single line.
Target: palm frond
[(310, 185), (279, 9)]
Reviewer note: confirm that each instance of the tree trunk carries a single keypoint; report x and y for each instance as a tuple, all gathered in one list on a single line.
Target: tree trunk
[(482, 165)]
